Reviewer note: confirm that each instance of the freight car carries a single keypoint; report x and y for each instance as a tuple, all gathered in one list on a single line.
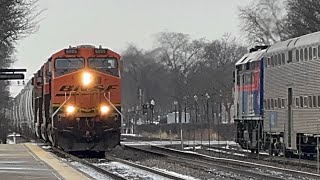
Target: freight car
[(73, 100), (277, 97)]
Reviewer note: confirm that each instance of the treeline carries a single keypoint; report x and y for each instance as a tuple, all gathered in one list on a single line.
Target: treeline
[(270, 21), (188, 71), (17, 20)]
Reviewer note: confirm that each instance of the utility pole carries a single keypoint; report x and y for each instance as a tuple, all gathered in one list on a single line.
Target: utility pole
[(209, 130), (175, 103)]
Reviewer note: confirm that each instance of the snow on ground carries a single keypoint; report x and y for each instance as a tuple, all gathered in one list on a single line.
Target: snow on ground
[(225, 152), (192, 148), (133, 135), (91, 172), (177, 175), (46, 147), (9, 141), (129, 172), (14, 134), (189, 143), (135, 173)]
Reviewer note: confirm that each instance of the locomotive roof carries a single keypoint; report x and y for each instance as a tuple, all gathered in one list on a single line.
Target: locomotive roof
[(301, 41), (250, 57)]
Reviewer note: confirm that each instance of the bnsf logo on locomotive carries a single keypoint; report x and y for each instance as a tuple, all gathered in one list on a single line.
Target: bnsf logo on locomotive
[(100, 87)]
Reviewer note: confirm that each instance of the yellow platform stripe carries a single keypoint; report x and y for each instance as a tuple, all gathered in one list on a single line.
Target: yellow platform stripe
[(62, 168)]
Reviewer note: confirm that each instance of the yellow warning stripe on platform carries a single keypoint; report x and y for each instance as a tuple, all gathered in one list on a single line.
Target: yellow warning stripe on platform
[(62, 168)]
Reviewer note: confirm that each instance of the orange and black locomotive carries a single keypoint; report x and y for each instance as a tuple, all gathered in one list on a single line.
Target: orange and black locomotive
[(74, 100)]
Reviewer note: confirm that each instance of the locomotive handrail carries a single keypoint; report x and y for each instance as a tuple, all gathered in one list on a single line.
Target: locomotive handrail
[(113, 106), (66, 99)]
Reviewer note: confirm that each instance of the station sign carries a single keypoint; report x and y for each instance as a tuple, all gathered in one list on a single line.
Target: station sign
[(11, 76)]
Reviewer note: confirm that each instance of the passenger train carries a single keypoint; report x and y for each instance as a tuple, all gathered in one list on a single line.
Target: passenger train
[(73, 100), (277, 97)]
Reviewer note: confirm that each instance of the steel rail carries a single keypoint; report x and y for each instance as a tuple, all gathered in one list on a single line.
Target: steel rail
[(206, 165), (98, 169), (239, 162), (145, 168), (264, 157)]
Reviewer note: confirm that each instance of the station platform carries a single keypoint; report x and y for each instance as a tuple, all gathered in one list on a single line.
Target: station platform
[(29, 161)]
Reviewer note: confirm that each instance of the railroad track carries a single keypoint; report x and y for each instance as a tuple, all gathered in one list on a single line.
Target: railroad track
[(145, 168), (263, 157), (88, 164), (114, 159), (205, 163), (237, 162)]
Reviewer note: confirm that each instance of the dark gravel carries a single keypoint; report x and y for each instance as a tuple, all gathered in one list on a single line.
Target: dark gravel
[(154, 161)]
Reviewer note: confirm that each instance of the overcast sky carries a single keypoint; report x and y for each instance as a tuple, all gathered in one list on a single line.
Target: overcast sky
[(117, 23)]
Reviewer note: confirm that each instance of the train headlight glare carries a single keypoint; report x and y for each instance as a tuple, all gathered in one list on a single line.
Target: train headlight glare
[(104, 109), (86, 78), (70, 109)]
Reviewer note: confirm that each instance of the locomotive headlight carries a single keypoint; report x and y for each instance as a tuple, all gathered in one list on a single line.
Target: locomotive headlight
[(70, 109), (104, 109), (86, 78)]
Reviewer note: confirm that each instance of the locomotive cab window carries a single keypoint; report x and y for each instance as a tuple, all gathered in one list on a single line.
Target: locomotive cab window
[(108, 65), (67, 65), (102, 63)]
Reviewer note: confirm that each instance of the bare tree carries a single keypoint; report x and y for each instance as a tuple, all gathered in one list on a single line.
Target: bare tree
[(303, 17), (17, 20), (220, 56), (264, 21), (180, 54), (142, 71)]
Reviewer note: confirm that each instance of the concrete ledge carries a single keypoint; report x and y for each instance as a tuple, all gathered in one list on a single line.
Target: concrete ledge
[(60, 167)]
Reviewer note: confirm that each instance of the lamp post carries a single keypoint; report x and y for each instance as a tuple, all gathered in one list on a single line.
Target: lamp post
[(209, 130), (196, 111), (185, 109), (175, 111), (196, 106), (220, 117), (152, 104)]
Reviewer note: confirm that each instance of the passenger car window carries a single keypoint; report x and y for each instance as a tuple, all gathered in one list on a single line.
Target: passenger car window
[(301, 54), (290, 56), (310, 53), (283, 59), (305, 54)]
